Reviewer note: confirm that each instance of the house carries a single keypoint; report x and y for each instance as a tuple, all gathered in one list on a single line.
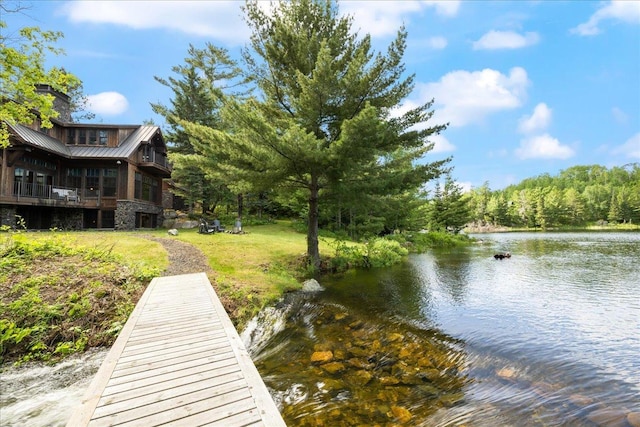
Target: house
[(80, 176)]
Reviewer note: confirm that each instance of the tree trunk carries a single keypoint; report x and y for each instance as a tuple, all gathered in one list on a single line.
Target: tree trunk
[(313, 251), (240, 206)]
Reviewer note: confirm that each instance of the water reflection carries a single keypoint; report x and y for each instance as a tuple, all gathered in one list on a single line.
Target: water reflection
[(453, 271), (548, 337)]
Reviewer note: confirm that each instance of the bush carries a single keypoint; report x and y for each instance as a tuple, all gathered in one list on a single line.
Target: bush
[(376, 252), (49, 309), (383, 252), (422, 242)]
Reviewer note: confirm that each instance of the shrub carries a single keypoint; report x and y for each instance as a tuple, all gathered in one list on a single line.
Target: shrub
[(51, 309)]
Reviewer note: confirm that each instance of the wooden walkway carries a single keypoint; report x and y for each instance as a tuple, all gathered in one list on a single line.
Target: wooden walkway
[(178, 361)]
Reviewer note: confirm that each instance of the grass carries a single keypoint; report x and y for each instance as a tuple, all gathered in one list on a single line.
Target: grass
[(254, 269)]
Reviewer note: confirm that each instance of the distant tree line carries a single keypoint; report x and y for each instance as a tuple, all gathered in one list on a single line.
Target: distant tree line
[(577, 196)]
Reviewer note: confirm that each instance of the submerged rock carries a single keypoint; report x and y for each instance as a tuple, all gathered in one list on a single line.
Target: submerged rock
[(311, 285), (609, 417), (506, 373), (321, 356), (402, 414), (580, 400), (633, 418), (333, 367)]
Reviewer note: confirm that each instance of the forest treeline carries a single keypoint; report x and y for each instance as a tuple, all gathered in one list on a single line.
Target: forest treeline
[(577, 196)]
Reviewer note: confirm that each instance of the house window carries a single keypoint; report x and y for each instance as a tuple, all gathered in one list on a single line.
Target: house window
[(71, 136), (19, 186), (137, 193), (103, 136), (146, 188), (74, 178), (109, 182), (154, 190), (92, 183), (93, 137), (82, 136)]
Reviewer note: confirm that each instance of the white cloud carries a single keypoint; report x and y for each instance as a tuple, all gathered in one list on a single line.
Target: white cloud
[(619, 115), (437, 42), (107, 103), (441, 144), (623, 10), (221, 20), (538, 121), (505, 40), (444, 7), (464, 97), (631, 148), (384, 18), (543, 147)]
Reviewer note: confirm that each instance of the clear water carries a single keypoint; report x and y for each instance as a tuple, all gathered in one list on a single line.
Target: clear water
[(550, 336)]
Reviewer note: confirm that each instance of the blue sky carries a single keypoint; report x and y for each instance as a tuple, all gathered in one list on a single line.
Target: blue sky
[(528, 87)]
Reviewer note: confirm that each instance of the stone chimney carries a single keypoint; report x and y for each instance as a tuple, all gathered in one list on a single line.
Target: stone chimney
[(61, 102)]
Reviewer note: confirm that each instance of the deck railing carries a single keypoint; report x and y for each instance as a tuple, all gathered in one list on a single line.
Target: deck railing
[(154, 157), (40, 191)]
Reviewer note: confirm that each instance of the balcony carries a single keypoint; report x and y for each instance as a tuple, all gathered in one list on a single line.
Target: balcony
[(46, 194), (155, 163)]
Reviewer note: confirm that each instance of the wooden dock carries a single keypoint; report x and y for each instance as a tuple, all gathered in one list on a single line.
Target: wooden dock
[(178, 361)]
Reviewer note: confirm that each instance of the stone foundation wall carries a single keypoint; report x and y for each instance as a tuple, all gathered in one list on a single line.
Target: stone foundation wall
[(125, 215), (8, 216), (67, 219), (167, 199)]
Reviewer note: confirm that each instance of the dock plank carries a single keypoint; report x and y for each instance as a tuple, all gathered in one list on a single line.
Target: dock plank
[(178, 361)]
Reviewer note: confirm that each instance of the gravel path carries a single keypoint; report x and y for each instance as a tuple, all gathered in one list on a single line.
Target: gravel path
[(183, 257)]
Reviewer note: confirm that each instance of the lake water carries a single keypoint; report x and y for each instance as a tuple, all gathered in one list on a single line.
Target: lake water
[(550, 336)]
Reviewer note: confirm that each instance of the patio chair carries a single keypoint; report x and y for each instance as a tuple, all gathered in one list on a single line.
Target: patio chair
[(205, 228)]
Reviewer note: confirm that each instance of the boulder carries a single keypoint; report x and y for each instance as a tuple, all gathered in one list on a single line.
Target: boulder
[(188, 224), (172, 232)]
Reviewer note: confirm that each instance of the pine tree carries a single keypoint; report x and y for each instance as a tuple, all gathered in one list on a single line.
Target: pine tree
[(323, 120), (449, 209), (199, 88)]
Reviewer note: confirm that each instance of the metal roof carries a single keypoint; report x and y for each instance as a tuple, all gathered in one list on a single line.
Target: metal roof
[(40, 140), (143, 134)]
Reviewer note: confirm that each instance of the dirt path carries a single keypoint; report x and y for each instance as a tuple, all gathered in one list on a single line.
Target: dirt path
[(183, 257)]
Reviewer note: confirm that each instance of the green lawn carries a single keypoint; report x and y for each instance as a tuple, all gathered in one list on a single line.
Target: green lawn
[(253, 269)]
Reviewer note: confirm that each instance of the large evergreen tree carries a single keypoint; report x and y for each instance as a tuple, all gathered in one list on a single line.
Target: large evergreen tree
[(199, 87), (326, 119)]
